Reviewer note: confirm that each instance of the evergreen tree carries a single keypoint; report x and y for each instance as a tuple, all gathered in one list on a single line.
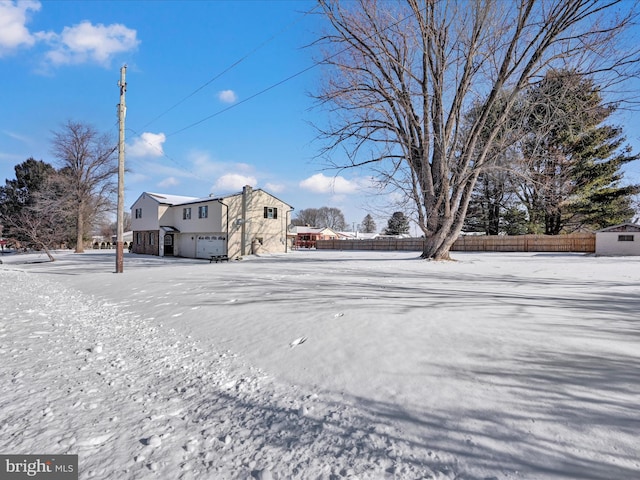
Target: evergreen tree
[(514, 221), (368, 224), (493, 193), (20, 194), (599, 200), (398, 224), (572, 161), (487, 204)]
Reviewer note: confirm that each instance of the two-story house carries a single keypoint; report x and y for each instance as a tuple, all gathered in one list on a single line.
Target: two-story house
[(251, 221)]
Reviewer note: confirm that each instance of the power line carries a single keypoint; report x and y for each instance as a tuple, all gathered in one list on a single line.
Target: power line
[(271, 87), (261, 92), (168, 157), (232, 66), (219, 112)]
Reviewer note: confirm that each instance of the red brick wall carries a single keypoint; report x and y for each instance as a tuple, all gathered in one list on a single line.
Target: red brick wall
[(146, 242)]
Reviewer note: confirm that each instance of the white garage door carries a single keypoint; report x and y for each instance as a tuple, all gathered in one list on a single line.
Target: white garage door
[(209, 245)]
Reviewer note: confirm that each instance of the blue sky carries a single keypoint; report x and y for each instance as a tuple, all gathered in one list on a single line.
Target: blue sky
[(60, 61)]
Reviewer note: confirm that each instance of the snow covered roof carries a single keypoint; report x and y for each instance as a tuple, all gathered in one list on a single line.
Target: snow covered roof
[(314, 230), (170, 199)]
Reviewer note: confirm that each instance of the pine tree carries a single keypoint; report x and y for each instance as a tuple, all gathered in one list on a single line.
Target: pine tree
[(599, 199), (398, 224), (493, 193), (573, 161), (20, 194), (368, 224)]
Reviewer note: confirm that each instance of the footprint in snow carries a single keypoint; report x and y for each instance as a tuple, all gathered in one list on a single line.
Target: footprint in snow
[(298, 341), (337, 315)]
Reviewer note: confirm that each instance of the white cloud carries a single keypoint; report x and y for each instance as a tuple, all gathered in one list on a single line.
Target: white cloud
[(13, 30), (147, 145), (17, 136), (168, 182), (274, 187), (227, 96), (86, 42), (134, 177), (319, 183), (233, 181), (205, 166)]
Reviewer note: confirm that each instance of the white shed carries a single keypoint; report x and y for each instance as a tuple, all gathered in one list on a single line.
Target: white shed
[(623, 240)]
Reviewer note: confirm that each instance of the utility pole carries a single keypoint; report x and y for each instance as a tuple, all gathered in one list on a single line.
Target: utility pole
[(122, 110)]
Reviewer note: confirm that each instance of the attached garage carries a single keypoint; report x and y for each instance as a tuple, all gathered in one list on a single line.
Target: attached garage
[(619, 240), (208, 245)]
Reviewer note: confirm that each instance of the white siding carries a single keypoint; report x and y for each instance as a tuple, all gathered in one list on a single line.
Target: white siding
[(607, 244), (248, 229), (186, 245), (150, 214), (213, 222)]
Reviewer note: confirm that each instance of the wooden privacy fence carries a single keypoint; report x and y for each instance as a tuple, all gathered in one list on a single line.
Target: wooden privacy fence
[(578, 242)]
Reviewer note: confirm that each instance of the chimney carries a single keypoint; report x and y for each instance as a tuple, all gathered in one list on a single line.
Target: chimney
[(246, 198)]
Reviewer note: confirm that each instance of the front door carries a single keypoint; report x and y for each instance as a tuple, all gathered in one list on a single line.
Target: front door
[(168, 244)]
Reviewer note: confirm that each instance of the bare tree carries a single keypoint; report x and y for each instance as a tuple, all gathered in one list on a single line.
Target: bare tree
[(39, 223), (88, 165), (329, 217), (109, 228), (307, 216), (402, 74), (333, 218)]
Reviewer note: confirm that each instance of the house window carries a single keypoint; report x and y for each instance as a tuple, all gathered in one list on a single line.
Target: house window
[(186, 213), (625, 238), (138, 212), (152, 239), (203, 212), (138, 238), (270, 212)]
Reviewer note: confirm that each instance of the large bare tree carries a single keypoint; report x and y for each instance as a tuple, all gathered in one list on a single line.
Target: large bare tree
[(329, 217), (401, 75), (88, 166)]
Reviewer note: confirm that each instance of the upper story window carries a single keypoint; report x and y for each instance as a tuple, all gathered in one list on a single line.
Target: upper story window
[(270, 212), (138, 212), (186, 213), (203, 212), (625, 238)]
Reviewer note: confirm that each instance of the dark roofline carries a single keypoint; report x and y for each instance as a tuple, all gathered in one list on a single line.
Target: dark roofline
[(613, 228)]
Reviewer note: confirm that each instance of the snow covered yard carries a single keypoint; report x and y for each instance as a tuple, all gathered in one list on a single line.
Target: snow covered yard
[(324, 365)]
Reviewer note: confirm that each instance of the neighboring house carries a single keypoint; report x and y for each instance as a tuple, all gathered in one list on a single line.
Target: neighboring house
[(306, 237), (623, 239), (252, 221)]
